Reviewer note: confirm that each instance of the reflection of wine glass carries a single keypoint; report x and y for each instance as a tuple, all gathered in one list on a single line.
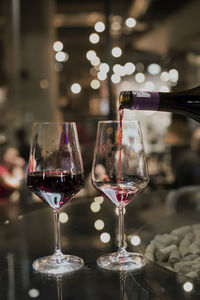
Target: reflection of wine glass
[(119, 171), (122, 278), (55, 174), (59, 287)]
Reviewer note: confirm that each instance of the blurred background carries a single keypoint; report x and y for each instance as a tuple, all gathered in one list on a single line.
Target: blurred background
[(63, 60), (68, 60)]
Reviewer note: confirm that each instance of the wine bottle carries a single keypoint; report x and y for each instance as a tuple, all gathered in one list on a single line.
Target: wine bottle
[(186, 102)]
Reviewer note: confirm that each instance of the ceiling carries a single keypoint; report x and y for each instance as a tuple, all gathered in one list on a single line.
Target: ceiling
[(74, 22)]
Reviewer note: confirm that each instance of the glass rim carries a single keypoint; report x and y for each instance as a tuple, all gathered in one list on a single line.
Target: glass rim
[(53, 123)]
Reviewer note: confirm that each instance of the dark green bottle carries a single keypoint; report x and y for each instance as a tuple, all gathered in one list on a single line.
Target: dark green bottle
[(186, 102)]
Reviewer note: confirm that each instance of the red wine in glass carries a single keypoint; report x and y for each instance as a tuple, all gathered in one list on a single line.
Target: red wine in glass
[(55, 188)]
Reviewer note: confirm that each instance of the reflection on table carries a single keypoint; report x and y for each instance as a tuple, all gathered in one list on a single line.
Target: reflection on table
[(89, 228)]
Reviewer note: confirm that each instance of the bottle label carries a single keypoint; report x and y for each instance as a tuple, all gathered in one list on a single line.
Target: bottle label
[(146, 100)]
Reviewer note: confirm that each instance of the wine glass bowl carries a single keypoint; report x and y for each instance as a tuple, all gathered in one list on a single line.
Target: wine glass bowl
[(120, 172), (55, 174)]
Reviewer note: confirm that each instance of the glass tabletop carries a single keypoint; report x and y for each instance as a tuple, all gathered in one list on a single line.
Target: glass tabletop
[(29, 236)]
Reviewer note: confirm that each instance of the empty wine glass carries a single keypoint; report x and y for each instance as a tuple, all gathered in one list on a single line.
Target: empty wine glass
[(120, 171), (55, 174)]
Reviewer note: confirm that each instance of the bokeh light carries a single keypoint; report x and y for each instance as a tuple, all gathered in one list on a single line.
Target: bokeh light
[(99, 224), (101, 75), (57, 46), (104, 67), (99, 199), (63, 217), (44, 84), (105, 237), (188, 286), (139, 77), (130, 22), (117, 68), (154, 69), (116, 51), (135, 240), (99, 26), (164, 76), (76, 88), (115, 25), (33, 293), (91, 54), (96, 61), (95, 207), (61, 56), (94, 38), (129, 68), (173, 75), (115, 78), (95, 84)]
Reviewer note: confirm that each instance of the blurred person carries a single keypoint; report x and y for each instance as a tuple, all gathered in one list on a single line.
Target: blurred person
[(187, 171), (22, 144), (11, 171)]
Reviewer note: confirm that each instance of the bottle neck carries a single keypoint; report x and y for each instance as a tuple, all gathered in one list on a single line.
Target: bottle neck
[(146, 100), (171, 102), (185, 103)]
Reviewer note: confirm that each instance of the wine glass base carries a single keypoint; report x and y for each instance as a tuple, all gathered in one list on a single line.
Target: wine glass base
[(119, 262), (53, 265)]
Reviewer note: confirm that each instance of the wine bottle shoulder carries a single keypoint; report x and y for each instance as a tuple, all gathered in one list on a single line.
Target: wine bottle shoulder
[(139, 100)]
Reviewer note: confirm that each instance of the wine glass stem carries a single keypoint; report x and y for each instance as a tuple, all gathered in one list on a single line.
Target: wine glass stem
[(121, 230), (57, 232)]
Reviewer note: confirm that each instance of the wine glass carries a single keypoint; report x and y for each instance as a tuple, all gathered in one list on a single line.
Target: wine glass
[(55, 174), (120, 171)]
